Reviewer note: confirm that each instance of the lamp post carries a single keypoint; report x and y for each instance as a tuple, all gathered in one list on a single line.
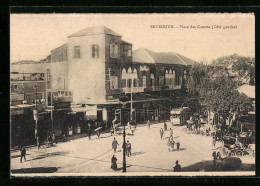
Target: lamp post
[(123, 99)]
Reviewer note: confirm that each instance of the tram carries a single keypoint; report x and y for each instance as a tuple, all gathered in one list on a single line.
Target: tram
[(179, 116)]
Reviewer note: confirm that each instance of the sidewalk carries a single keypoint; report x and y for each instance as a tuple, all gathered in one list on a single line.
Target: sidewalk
[(82, 135)]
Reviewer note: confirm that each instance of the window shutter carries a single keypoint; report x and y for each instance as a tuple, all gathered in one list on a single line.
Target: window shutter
[(97, 48), (111, 50), (93, 51), (116, 51)]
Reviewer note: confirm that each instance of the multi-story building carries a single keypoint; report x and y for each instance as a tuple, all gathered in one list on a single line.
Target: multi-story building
[(86, 76), (96, 67)]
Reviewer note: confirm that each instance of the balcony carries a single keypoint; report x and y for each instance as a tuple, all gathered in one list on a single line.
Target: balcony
[(133, 89)]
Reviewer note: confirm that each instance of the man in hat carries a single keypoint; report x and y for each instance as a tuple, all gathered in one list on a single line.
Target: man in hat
[(23, 153), (161, 133), (128, 147), (114, 145)]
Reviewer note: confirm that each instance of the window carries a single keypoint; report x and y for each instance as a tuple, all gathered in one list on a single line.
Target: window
[(123, 82), (152, 80), (48, 72), (161, 80), (15, 87), (76, 52), (135, 83), (173, 78), (113, 82), (144, 81), (113, 50), (34, 85), (129, 83), (95, 51), (128, 53)]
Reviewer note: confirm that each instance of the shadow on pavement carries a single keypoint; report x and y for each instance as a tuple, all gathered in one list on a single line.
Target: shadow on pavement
[(45, 155), (136, 153), (121, 168), (208, 166), (18, 156), (35, 170), (180, 149)]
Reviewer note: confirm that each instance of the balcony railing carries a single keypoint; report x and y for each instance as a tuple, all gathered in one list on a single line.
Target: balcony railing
[(133, 89)]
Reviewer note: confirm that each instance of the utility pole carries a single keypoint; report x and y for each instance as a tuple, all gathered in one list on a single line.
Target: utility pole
[(131, 114), (36, 113), (123, 100)]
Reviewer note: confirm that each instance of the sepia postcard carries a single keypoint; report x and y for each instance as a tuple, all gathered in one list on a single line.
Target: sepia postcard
[(150, 94)]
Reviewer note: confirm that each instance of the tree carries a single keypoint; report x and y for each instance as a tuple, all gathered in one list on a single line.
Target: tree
[(216, 90)]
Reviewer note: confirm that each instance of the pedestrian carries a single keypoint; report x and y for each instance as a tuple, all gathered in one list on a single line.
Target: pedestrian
[(53, 138), (38, 142), (172, 144), (89, 131), (128, 147), (114, 145), (64, 138), (133, 131), (171, 132), (214, 158), (112, 130), (169, 143), (178, 145), (113, 162), (124, 147), (161, 133), (165, 126), (148, 123), (177, 167), (23, 153)]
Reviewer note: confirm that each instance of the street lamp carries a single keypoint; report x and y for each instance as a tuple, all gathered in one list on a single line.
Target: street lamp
[(123, 99)]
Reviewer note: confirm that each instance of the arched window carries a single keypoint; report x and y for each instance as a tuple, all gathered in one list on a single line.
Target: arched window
[(185, 74), (167, 80), (123, 73), (170, 72), (173, 78), (129, 70)]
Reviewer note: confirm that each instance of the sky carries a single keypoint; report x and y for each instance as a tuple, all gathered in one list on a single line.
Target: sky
[(33, 36)]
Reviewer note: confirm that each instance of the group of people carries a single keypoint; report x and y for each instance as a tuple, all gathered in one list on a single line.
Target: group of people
[(51, 139), (115, 144), (128, 147)]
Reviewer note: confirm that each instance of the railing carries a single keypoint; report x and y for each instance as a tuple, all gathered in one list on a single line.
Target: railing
[(133, 89)]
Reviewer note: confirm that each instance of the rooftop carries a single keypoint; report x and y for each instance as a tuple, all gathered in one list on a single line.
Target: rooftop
[(94, 31), (143, 55)]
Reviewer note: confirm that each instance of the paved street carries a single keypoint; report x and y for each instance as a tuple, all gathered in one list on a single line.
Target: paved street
[(149, 153)]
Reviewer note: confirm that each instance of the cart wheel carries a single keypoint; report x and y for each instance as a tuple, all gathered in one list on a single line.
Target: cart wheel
[(239, 153)]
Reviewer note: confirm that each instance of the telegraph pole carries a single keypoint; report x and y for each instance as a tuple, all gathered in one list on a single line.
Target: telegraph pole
[(123, 99), (131, 114), (36, 114)]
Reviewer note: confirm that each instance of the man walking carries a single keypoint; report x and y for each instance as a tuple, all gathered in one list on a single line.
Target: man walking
[(114, 145), (23, 154), (148, 123), (128, 147), (161, 133), (89, 131), (165, 126)]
